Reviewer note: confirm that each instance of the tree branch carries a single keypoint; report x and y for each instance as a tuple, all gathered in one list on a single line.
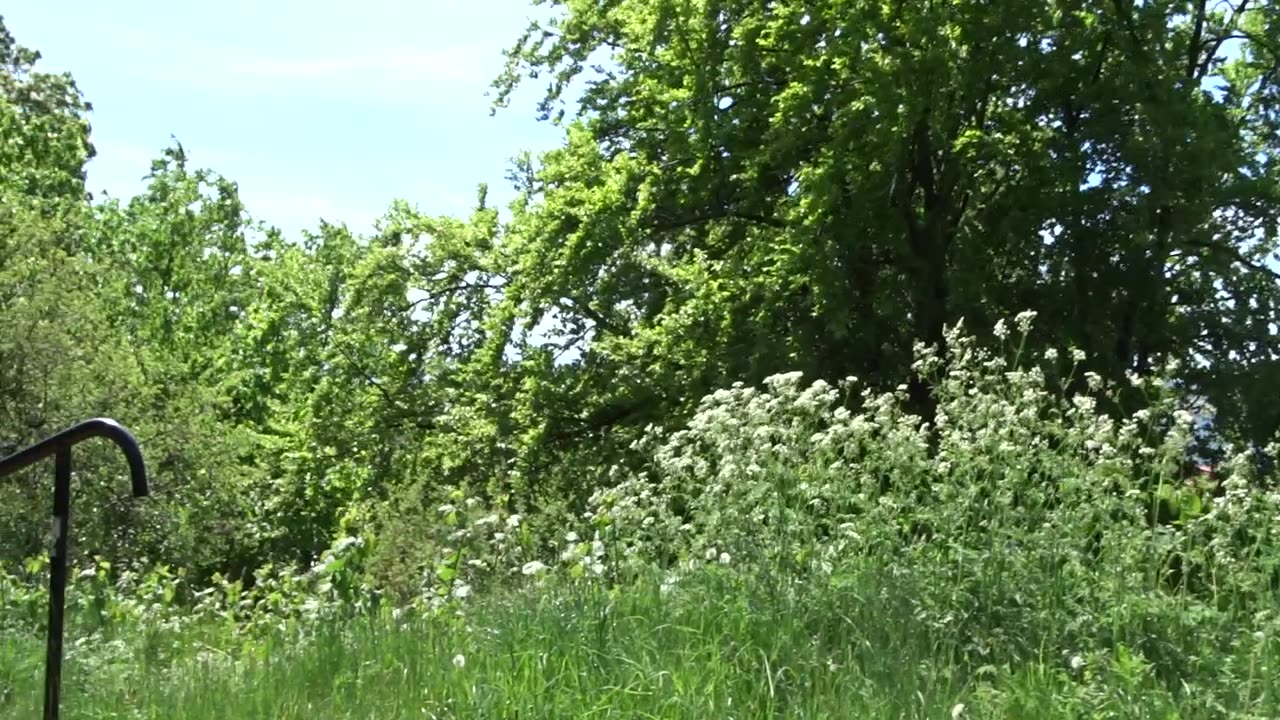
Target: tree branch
[(1197, 36), (1235, 255), (670, 225)]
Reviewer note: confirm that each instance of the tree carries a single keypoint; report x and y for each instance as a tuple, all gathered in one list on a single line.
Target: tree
[(44, 129), (751, 186)]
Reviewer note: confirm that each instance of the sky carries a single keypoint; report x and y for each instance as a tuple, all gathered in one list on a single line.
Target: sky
[(317, 109)]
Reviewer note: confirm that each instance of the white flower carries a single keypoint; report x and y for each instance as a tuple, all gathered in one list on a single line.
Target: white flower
[(724, 558), (513, 522), (1000, 330), (461, 591), (571, 537), (1077, 662), (597, 567), (459, 660), (1051, 354), (446, 509), (957, 712), (1023, 320), (1077, 354), (533, 567), (1094, 380), (711, 554)]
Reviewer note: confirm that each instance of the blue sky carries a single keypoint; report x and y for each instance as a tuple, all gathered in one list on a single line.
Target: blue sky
[(317, 108)]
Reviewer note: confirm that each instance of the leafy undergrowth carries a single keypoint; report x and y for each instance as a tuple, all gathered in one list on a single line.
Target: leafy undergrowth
[(781, 556), (715, 644)]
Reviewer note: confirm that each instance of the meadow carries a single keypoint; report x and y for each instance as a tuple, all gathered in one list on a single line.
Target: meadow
[(1026, 557)]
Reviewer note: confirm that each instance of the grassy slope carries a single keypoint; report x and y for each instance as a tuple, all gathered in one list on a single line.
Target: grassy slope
[(714, 648)]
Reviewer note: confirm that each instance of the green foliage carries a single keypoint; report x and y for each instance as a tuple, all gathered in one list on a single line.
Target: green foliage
[(44, 132), (754, 188), (778, 554), (703, 402)]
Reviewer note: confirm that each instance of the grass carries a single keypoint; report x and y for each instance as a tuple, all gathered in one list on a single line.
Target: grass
[(833, 565), (715, 646)]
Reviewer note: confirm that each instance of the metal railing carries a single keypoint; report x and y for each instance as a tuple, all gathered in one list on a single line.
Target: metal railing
[(59, 446)]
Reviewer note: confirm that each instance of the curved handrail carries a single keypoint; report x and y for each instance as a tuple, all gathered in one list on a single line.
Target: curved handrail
[(97, 427), (59, 446)]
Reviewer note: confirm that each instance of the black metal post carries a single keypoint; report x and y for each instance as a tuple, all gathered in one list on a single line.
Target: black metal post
[(57, 579), (59, 446)]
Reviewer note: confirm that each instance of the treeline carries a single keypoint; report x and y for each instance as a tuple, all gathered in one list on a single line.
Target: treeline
[(743, 189)]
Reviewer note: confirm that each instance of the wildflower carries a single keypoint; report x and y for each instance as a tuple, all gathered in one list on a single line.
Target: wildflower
[(1077, 354), (571, 537), (1023, 320), (1094, 380), (711, 554), (462, 591), (459, 660), (957, 712), (446, 509), (724, 558), (533, 567), (1077, 663), (513, 522), (1000, 330), (1051, 354)]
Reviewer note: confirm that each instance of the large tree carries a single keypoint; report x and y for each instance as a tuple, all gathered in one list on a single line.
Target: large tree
[(749, 186)]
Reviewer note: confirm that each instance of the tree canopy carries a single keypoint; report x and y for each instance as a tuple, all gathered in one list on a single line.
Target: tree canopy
[(745, 187)]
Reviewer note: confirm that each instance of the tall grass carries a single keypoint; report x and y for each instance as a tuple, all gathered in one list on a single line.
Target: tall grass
[(716, 645), (782, 556)]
